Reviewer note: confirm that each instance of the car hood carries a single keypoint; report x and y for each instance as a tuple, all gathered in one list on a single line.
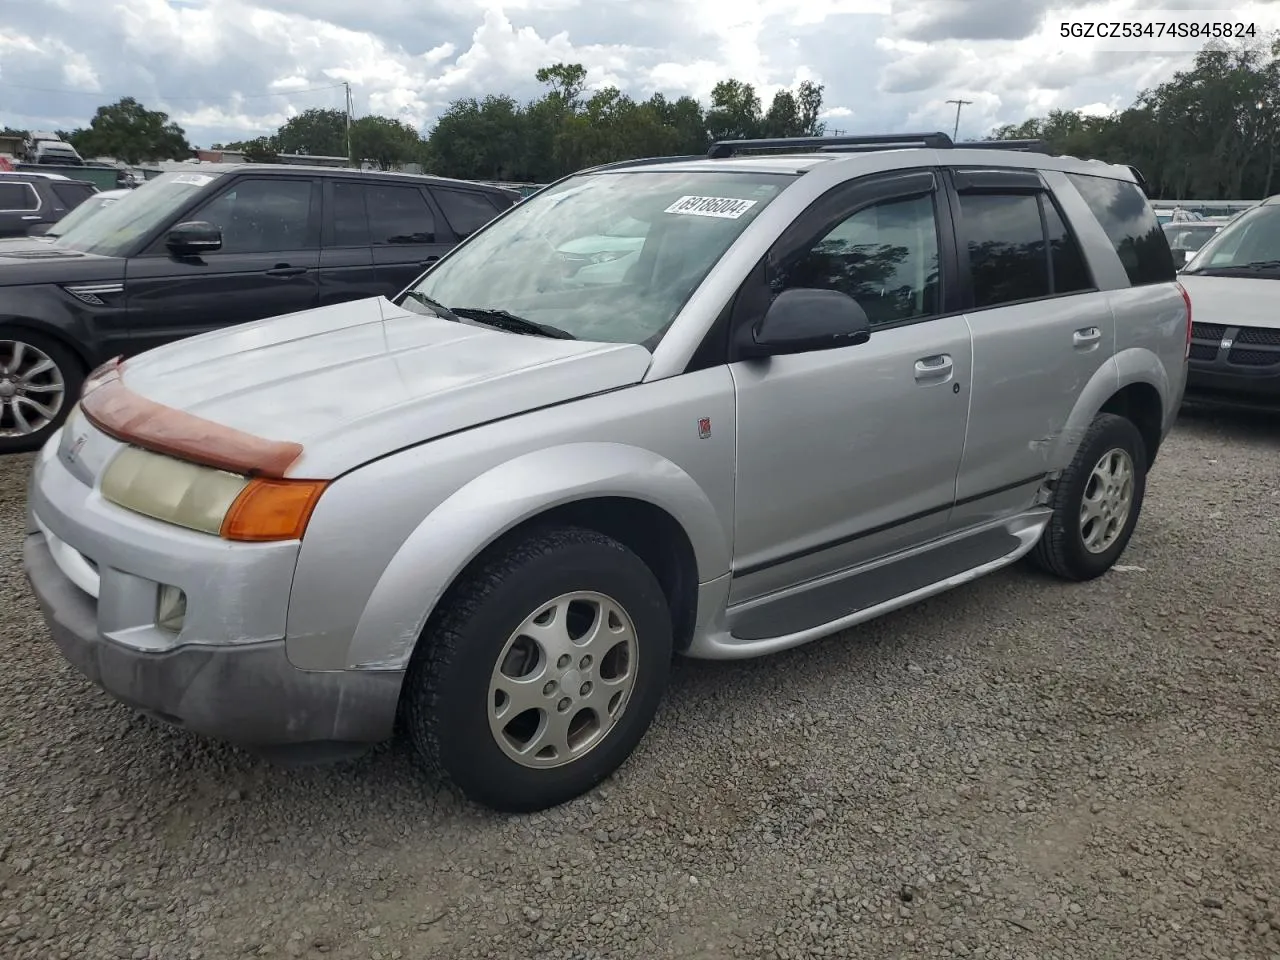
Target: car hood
[(25, 260), (358, 380), (1233, 301), (8, 244)]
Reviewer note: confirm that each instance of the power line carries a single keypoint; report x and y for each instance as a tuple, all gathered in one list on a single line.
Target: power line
[(222, 99)]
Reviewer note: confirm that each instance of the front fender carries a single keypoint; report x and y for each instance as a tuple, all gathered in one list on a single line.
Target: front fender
[(500, 499)]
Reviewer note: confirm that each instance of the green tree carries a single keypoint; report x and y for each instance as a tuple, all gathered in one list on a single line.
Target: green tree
[(130, 132), (320, 133), (735, 111), (481, 139), (1209, 132), (385, 142)]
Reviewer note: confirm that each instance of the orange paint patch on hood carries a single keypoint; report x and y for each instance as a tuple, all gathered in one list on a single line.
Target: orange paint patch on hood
[(129, 417)]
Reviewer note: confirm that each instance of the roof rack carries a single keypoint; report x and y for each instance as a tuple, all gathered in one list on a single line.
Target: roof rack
[(882, 141), (642, 162), (1026, 146)]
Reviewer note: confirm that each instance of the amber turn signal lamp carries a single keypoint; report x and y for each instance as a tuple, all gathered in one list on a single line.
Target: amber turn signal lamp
[(272, 510)]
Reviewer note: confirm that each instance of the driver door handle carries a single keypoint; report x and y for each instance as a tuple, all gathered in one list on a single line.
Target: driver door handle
[(284, 270)]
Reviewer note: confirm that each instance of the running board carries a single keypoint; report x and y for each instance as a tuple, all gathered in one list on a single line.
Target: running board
[(758, 627)]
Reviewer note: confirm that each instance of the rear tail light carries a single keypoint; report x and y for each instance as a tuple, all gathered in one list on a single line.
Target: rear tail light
[(1186, 298)]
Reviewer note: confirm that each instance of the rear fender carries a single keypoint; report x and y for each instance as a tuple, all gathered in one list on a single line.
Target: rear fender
[(1131, 366)]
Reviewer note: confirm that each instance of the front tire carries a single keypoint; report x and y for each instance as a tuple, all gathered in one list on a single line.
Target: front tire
[(40, 381), (1096, 502), (542, 671)]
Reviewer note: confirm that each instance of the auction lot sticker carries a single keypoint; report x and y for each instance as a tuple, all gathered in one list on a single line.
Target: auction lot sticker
[(724, 208)]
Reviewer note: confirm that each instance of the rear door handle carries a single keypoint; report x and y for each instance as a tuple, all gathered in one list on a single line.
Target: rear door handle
[(1086, 337), (32, 217), (937, 367), (284, 270)]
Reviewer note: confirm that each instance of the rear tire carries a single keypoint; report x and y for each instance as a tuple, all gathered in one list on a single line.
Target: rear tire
[(1096, 502), (542, 670), (40, 381)]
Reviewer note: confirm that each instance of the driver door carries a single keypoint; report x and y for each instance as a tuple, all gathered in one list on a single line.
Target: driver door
[(850, 454)]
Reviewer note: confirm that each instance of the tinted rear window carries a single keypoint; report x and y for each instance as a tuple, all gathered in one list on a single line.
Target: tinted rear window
[(1131, 225), (71, 194), (466, 212)]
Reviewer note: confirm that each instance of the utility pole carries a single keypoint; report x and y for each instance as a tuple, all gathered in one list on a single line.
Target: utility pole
[(959, 103), (348, 110)]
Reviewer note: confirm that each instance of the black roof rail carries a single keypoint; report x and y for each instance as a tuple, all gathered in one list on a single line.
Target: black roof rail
[(642, 162), (1026, 146), (880, 141)]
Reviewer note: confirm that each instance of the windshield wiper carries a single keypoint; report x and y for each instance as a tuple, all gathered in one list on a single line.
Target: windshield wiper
[(1254, 266), (505, 320), (437, 308)]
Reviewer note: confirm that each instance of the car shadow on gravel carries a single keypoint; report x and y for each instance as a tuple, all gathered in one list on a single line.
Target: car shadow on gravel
[(1240, 424), (194, 777)]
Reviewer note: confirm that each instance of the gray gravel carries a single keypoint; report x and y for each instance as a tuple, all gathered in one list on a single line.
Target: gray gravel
[(1018, 769)]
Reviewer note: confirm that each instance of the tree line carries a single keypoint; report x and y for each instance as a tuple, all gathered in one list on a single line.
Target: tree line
[(565, 129), (1210, 132)]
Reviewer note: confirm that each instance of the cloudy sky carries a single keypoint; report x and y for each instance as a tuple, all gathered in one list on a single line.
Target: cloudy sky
[(231, 69)]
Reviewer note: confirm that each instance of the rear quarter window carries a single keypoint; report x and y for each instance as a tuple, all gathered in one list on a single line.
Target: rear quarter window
[(1139, 241), (71, 194), (466, 212)]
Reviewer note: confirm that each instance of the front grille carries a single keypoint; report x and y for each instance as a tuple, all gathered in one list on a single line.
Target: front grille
[(1207, 331), (1261, 335), (1254, 358), (1203, 351)]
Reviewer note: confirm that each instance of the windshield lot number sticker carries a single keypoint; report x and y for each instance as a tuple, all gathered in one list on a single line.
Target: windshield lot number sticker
[(723, 208), (197, 179)]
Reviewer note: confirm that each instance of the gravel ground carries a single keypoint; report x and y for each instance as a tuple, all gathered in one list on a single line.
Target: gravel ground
[(1018, 769)]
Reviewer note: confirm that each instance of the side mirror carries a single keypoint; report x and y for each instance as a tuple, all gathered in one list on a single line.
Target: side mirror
[(194, 237), (1180, 258), (801, 320)]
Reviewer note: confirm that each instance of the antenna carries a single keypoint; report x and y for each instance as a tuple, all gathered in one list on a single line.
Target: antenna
[(959, 103), (348, 110)]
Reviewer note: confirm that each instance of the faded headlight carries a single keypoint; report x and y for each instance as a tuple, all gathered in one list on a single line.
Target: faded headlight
[(175, 491)]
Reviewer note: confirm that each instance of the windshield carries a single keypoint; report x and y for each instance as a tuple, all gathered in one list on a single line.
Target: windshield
[(83, 211), (1249, 241), (1184, 236), (114, 229), (609, 257)]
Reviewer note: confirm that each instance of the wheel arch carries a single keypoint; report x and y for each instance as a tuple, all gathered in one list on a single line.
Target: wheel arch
[(1133, 385), (636, 496), (53, 332)]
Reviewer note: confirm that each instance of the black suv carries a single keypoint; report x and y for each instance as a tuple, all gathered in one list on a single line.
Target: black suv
[(31, 199), (207, 247)]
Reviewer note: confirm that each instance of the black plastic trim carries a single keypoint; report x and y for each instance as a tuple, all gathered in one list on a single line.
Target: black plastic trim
[(884, 527)]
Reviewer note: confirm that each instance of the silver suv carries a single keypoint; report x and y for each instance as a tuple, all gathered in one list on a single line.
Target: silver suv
[(823, 386)]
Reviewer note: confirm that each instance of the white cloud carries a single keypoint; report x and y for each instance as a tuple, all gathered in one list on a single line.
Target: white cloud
[(226, 69)]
